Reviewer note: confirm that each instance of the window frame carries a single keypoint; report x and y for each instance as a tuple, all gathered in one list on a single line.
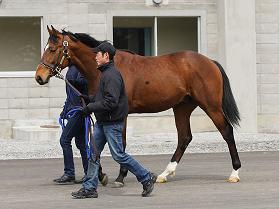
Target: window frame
[(20, 74), (199, 14)]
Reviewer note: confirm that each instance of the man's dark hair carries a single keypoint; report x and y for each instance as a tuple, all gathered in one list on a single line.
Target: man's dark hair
[(111, 56)]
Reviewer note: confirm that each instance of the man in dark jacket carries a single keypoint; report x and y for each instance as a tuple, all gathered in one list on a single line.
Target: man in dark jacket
[(75, 126), (110, 106)]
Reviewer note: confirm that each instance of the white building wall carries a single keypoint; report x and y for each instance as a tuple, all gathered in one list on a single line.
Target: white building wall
[(237, 47), (23, 98), (267, 28)]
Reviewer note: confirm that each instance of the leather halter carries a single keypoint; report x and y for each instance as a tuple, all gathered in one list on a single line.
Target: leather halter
[(57, 67)]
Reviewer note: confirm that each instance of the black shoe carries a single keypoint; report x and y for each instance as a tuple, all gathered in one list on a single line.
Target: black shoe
[(79, 181), (148, 187), (82, 193), (65, 179)]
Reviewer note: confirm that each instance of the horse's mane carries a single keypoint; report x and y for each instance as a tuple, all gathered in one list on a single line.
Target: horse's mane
[(89, 40), (84, 38)]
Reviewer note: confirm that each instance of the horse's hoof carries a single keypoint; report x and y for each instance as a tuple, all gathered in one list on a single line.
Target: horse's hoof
[(233, 179), (104, 180), (118, 184), (161, 179)]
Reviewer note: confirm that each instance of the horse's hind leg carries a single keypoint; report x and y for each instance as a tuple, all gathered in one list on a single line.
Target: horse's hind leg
[(119, 181), (226, 130), (103, 178), (182, 114)]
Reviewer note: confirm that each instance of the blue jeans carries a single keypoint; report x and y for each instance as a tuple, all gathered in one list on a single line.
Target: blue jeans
[(74, 128), (112, 133)]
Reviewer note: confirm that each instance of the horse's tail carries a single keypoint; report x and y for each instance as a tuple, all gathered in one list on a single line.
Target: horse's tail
[(228, 102)]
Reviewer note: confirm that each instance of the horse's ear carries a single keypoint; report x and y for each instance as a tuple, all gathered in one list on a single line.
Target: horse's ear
[(49, 31), (54, 31)]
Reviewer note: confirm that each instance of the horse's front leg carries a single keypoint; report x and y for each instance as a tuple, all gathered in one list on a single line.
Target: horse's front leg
[(171, 167), (119, 181), (103, 177), (182, 114)]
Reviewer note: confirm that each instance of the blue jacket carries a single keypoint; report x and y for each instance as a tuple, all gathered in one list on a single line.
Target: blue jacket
[(80, 83)]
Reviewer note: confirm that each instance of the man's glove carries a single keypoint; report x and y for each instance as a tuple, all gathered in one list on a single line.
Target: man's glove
[(86, 111), (86, 98)]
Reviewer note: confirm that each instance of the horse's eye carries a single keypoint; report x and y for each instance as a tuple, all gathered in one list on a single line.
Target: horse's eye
[(52, 49)]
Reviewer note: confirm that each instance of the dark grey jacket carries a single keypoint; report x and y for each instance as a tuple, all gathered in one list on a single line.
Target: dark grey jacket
[(110, 104)]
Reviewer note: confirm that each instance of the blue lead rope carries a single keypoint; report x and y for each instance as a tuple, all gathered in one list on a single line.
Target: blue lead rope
[(87, 123), (68, 115), (87, 141)]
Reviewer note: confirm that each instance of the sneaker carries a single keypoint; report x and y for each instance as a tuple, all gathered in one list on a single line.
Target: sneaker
[(64, 179), (82, 193), (148, 186)]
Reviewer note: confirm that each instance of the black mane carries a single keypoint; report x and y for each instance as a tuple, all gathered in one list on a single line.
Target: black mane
[(89, 40), (84, 38)]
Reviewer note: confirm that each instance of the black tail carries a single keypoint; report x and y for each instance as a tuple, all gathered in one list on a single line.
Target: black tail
[(228, 103)]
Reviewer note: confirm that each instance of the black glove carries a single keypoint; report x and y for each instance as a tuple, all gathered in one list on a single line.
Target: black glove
[(86, 111), (85, 97)]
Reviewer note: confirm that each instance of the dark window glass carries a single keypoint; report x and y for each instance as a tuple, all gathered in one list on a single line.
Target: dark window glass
[(137, 40)]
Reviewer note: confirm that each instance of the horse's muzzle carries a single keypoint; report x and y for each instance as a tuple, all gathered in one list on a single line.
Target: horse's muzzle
[(41, 81)]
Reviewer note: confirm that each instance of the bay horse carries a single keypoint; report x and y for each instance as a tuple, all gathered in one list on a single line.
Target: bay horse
[(181, 81)]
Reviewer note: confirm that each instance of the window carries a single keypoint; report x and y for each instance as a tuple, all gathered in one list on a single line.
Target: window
[(20, 42), (155, 35), (134, 34), (177, 34)]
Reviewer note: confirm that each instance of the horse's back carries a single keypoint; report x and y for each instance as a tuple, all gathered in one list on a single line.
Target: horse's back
[(158, 83)]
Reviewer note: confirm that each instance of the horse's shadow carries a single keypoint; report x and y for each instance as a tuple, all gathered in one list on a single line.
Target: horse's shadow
[(198, 177)]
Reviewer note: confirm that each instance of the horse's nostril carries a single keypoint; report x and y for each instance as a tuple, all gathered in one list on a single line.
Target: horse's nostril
[(39, 80)]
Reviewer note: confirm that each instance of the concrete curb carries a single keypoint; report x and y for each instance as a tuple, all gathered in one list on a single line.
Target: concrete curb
[(161, 143)]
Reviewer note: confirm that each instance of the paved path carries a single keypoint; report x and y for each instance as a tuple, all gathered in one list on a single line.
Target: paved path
[(199, 184)]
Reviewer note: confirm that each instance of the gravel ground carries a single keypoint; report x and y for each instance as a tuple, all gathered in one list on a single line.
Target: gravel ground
[(162, 143)]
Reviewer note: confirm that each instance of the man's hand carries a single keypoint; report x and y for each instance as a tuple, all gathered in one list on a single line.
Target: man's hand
[(85, 98), (86, 111)]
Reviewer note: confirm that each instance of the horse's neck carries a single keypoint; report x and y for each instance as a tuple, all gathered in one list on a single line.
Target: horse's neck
[(84, 60)]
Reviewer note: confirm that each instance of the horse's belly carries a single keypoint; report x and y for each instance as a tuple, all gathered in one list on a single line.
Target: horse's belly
[(154, 103)]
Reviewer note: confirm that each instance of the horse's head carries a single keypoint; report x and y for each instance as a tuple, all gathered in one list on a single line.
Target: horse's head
[(56, 56)]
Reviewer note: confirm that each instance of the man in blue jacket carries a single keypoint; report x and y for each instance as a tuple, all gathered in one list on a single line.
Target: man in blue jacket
[(110, 106), (75, 126)]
